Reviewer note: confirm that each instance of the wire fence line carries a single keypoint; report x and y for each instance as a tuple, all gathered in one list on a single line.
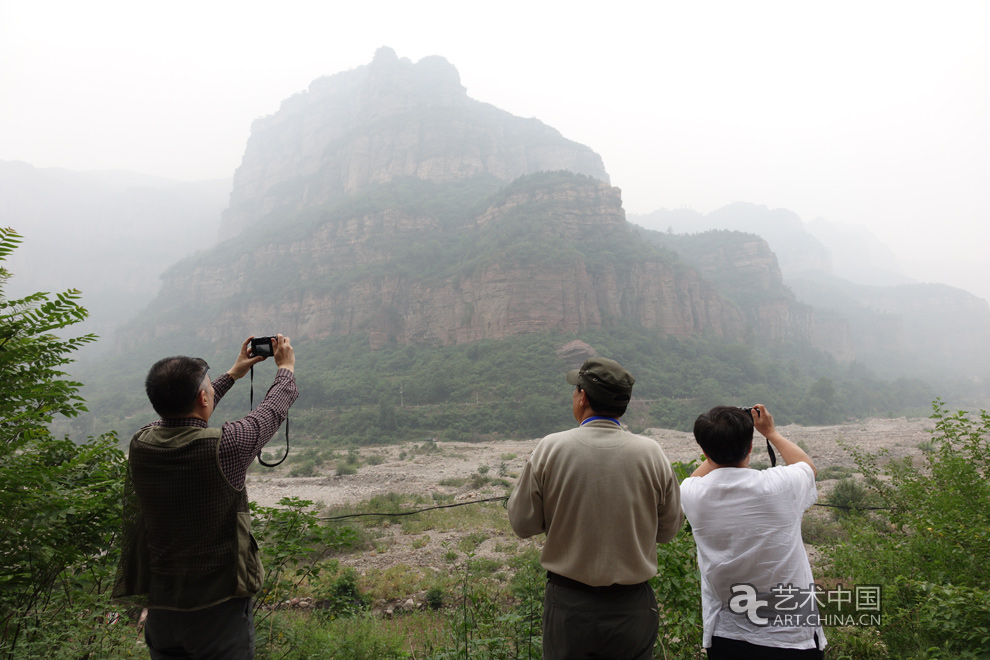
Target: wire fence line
[(415, 511), (504, 500)]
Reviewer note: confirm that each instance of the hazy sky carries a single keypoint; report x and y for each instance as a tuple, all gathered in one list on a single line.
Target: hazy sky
[(872, 113)]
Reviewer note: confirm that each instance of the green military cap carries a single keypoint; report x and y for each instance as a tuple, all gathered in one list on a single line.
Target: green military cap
[(605, 381)]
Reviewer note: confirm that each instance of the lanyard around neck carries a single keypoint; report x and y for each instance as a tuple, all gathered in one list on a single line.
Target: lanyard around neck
[(597, 417)]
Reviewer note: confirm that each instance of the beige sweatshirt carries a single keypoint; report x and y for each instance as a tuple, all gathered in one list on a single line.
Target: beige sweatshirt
[(604, 497)]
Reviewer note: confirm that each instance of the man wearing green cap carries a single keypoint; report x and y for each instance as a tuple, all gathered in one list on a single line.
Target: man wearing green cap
[(604, 497)]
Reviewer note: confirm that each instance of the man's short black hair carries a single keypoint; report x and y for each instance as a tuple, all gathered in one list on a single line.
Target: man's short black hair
[(725, 433), (173, 383), (601, 408)]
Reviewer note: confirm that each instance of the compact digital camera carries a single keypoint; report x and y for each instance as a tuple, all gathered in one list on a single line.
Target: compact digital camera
[(749, 409), (263, 346)]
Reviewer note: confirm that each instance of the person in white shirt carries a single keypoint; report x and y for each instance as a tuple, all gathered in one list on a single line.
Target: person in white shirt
[(757, 592)]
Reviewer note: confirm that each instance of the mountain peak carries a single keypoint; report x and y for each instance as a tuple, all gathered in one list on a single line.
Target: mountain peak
[(382, 121)]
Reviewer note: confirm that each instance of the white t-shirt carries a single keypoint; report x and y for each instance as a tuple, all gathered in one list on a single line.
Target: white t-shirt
[(747, 526)]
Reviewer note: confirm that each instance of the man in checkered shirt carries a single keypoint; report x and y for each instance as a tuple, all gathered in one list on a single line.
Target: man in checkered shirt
[(188, 554)]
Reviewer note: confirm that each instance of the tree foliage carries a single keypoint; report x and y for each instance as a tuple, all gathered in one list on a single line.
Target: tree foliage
[(59, 501)]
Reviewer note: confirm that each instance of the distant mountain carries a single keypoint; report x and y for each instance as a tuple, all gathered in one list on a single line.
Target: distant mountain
[(820, 246), (797, 249), (109, 234), (858, 255), (865, 309), (906, 328)]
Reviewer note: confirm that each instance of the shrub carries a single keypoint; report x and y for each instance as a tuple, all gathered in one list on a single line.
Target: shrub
[(292, 540), (471, 542), (484, 566), (363, 637), (434, 598), (344, 598), (819, 529), (498, 625), (848, 495), (853, 643), (479, 480), (834, 472), (930, 547), (678, 589), (306, 469)]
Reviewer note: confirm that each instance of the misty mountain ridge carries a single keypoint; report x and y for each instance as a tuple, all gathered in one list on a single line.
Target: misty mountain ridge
[(821, 246), (385, 210), (109, 234), (851, 278), (384, 121), (385, 202)]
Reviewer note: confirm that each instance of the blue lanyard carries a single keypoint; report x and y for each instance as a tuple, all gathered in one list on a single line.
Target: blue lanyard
[(597, 417)]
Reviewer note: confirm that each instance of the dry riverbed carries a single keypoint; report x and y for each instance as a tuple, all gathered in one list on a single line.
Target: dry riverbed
[(423, 469)]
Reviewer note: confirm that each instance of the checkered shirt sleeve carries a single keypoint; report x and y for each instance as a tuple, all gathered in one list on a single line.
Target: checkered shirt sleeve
[(241, 441)]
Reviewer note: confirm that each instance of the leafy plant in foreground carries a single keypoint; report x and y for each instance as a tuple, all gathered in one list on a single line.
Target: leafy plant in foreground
[(59, 501), (498, 626), (292, 540), (678, 589), (929, 550)]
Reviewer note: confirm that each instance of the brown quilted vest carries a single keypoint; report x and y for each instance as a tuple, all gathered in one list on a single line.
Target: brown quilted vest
[(187, 540)]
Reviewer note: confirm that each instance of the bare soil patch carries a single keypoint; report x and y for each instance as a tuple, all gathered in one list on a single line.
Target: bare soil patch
[(418, 469), (423, 473)]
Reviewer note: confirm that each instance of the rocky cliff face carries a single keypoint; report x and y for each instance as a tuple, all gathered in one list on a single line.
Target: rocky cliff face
[(384, 202), (382, 121), (745, 271), (489, 293)]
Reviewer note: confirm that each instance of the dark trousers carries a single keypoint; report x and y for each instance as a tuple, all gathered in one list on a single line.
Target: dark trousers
[(584, 623), (221, 632), (734, 649)]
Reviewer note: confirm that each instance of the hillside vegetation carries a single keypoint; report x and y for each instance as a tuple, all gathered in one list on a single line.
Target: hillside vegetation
[(352, 395), (393, 376)]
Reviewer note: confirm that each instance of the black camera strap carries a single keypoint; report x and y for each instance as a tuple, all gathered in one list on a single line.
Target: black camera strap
[(260, 459), (773, 456)]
